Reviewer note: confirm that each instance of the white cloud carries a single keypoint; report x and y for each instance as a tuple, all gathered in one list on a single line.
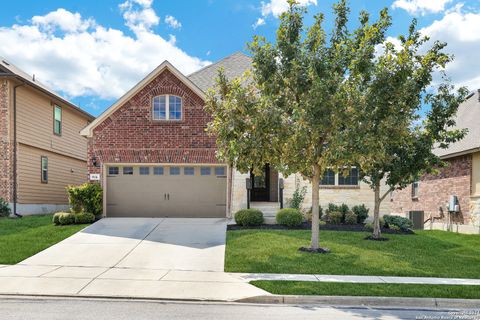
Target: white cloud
[(84, 58), (277, 7), (172, 22), (139, 15), (258, 23), (421, 7), (64, 20), (462, 33)]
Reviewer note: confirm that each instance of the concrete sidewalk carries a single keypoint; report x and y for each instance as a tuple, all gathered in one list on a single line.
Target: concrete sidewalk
[(164, 284), (355, 279), (124, 283)]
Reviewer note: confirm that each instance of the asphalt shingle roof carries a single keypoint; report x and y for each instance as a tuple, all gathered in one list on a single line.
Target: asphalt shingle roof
[(468, 116), (234, 65)]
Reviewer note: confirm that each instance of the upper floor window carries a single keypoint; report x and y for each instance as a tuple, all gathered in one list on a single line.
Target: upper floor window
[(167, 107), (57, 120)]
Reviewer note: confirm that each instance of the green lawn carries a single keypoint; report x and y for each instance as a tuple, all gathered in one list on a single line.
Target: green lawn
[(22, 238), (427, 253), (369, 289)]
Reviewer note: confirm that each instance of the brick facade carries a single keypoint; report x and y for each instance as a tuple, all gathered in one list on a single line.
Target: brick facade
[(5, 143), (129, 135), (435, 190)]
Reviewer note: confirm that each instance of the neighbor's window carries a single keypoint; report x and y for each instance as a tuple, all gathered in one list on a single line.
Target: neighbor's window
[(415, 189), (167, 107), (158, 171), (219, 171), (112, 171), (328, 178), (144, 171), (205, 171), (44, 169), (174, 171), (189, 171), (351, 179), (57, 120), (128, 170)]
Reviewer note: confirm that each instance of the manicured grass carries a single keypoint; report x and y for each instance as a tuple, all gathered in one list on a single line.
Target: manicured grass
[(369, 289), (22, 238), (427, 253)]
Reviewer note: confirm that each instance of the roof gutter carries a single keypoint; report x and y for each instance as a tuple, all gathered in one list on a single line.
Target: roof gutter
[(460, 153), (39, 88)]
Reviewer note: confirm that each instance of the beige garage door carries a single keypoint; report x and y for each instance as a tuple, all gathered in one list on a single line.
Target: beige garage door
[(166, 191)]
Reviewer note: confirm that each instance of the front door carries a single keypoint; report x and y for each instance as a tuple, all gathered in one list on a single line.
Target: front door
[(261, 185)]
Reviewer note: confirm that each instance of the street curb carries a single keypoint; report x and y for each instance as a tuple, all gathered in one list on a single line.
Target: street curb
[(365, 301)]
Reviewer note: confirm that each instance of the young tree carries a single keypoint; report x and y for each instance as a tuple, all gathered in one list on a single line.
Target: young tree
[(291, 110), (386, 132)]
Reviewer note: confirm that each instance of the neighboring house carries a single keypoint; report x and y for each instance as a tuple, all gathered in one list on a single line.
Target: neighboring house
[(429, 197), (41, 148), (154, 157)]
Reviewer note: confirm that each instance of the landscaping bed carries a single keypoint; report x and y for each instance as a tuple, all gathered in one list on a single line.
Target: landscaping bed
[(369, 289), (24, 237), (308, 226), (427, 253)]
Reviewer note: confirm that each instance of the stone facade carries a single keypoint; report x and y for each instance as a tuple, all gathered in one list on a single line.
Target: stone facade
[(5, 143), (129, 135), (434, 192), (355, 195)]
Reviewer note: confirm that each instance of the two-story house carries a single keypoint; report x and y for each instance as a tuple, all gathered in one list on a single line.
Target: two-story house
[(41, 150)]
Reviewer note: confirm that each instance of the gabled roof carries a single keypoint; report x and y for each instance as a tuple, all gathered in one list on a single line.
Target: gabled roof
[(468, 116), (234, 65), (88, 130), (7, 69)]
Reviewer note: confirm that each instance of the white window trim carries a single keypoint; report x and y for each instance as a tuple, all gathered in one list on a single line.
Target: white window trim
[(167, 107)]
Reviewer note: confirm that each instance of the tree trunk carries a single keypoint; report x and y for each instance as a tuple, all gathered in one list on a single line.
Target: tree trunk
[(376, 211), (315, 213)]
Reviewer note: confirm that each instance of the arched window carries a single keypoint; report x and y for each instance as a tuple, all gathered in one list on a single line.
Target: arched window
[(167, 107)]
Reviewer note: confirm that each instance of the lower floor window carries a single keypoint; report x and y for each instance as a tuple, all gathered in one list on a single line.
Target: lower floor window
[(44, 169), (351, 179)]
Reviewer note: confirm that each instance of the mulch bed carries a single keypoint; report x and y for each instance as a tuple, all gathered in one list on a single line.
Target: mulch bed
[(308, 226)]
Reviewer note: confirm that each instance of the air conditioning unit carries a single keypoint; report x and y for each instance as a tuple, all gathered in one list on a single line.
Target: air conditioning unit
[(453, 205)]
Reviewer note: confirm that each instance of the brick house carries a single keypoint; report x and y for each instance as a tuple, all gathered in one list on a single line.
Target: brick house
[(41, 148), (429, 197), (153, 157)]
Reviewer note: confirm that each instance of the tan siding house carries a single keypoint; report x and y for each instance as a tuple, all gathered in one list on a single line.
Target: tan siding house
[(50, 152)]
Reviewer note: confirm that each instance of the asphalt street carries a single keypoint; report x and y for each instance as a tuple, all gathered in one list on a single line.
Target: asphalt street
[(102, 309)]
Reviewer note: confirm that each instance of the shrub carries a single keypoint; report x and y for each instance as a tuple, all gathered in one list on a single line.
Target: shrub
[(4, 208), (64, 218), (343, 208), (249, 217), (334, 217), (297, 197), (361, 212), (401, 222), (289, 217), (84, 217), (369, 226), (86, 198), (350, 218)]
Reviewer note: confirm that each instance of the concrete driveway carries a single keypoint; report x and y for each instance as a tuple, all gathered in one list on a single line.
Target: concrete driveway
[(165, 258), (147, 243)]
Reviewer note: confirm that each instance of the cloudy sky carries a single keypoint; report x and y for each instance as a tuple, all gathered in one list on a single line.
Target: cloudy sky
[(93, 51)]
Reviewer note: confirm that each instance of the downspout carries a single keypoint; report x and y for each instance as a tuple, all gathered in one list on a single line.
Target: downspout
[(15, 150)]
